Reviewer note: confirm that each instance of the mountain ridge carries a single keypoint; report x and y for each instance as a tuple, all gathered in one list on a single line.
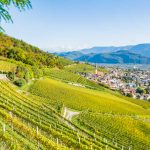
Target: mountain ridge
[(141, 52)]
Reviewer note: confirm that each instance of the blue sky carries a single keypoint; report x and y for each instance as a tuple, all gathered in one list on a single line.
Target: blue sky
[(75, 24)]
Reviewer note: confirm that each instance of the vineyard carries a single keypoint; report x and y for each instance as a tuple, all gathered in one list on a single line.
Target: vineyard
[(28, 122), (104, 120), (107, 115), (80, 68), (133, 132), (96, 101), (70, 77)]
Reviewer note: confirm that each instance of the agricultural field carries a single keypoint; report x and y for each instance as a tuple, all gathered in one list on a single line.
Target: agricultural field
[(28, 122), (86, 68), (6, 66), (70, 77), (105, 114), (133, 132), (95, 101), (64, 75)]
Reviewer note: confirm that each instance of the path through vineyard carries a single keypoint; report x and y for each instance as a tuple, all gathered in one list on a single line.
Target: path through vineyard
[(68, 114), (3, 77)]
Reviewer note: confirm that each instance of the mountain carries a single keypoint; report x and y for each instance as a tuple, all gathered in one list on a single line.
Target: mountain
[(124, 54), (143, 49), (70, 55), (105, 49), (120, 57)]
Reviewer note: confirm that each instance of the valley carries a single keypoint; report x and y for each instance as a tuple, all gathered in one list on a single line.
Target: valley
[(57, 107)]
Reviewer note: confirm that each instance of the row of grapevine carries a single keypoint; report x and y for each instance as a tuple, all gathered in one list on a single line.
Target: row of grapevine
[(124, 130), (41, 127)]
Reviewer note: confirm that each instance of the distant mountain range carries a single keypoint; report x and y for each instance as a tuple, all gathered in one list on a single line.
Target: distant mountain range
[(137, 54)]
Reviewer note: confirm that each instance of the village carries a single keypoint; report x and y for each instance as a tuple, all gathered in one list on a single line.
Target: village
[(133, 83)]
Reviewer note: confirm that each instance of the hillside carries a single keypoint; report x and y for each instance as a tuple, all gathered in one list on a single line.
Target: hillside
[(139, 54), (96, 109), (53, 107), (38, 117), (109, 49), (115, 58), (29, 122), (143, 49), (20, 51), (70, 55)]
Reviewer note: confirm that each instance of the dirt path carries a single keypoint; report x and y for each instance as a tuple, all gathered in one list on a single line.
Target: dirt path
[(68, 114), (3, 77)]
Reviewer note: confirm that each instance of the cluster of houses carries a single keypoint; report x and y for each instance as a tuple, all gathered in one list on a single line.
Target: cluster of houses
[(130, 82)]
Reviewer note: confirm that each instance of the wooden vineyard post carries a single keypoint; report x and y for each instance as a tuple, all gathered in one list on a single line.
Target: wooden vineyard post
[(57, 141), (4, 128), (4, 146), (129, 148), (106, 147), (116, 144), (94, 137), (79, 139), (37, 131), (122, 148)]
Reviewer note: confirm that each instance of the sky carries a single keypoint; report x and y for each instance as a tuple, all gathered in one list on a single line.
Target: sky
[(76, 24)]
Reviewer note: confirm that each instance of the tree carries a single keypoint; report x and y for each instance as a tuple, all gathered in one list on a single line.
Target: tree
[(5, 4), (140, 90)]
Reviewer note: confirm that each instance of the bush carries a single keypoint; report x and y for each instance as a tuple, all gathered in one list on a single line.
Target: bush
[(20, 82), (129, 95), (11, 76)]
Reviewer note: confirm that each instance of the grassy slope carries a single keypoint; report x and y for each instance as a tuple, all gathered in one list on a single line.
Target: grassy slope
[(83, 99), (86, 68), (26, 112), (108, 114), (67, 76)]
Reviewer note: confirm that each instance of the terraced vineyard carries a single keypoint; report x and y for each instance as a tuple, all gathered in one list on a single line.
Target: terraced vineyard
[(113, 117), (64, 75), (86, 68), (69, 77), (133, 132), (28, 122)]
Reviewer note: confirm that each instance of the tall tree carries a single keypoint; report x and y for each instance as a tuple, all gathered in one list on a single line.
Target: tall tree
[(6, 4)]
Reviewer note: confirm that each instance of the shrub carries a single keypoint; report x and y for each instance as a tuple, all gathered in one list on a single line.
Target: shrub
[(20, 82)]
